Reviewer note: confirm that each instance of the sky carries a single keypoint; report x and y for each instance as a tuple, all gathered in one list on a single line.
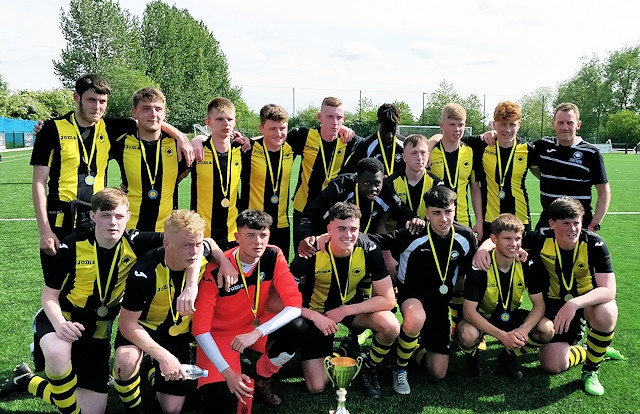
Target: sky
[(294, 53)]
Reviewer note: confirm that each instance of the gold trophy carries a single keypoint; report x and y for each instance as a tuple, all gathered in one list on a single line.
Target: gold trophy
[(341, 371)]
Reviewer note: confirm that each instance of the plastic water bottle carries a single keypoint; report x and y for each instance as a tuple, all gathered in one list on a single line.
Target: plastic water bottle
[(194, 372)]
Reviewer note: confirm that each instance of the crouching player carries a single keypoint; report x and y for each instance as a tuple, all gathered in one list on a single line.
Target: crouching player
[(493, 298), (227, 322)]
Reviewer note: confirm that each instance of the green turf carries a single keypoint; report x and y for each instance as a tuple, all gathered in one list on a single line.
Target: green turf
[(21, 284)]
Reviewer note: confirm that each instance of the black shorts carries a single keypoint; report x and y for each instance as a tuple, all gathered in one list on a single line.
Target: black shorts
[(89, 356), (435, 335), (576, 327), (316, 345), (180, 347)]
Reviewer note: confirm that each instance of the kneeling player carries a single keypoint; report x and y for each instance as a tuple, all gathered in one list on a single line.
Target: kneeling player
[(493, 298), (227, 322)]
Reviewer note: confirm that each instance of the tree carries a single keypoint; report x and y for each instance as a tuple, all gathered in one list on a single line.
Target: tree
[(307, 118), (364, 121), (185, 59), (100, 35), (537, 114), (475, 117), (444, 94), (623, 127), (26, 105), (622, 74), (4, 96), (124, 82), (406, 116), (588, 90), (57, 101)]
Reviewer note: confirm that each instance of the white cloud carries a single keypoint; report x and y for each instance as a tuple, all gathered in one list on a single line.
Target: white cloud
[(358, 50)]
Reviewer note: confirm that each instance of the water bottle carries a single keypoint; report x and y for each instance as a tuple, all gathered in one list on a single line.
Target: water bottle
[(194, 372)]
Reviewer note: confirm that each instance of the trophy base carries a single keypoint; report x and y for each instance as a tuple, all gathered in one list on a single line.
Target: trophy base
[(339, 411)]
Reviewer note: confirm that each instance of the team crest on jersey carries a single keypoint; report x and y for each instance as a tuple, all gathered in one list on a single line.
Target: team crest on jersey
[(126, 259), (236, 163), (374, 213), (398, 157), (577, 157), (454, 255), (339, 152), (520, 285), (101, 138), (168, 152), (520, 159), (357, 271), (581, 265), (466, 164)]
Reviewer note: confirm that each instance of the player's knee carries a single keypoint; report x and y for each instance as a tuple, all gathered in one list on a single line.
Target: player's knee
[(314, 386), (171, 404), (125, 364), (603, 317), (438, 373), (468, 335)]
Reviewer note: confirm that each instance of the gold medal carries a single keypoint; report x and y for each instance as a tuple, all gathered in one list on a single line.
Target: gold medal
[(443, 289), (568, 297), (174, 330), (501, 194), (225, 202), (153, 194), (505, 317), (102, 311), (89, 180), (256, 322), (274, 199)]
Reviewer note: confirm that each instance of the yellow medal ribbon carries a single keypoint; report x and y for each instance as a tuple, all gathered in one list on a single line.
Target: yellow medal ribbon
[(256, 300), (174, 316), (424, 190), (275, 183), (113, 265), (502, 175), (569, 285), (225, 190), (87, 157), (496, 272), (443, 276), (366, 229), (327, 172), (152, 179), (453, 183), (335, 272), (384, 156)]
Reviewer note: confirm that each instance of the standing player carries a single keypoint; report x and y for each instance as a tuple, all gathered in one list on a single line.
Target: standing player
[(384, 145), (149, 320), (215, 179), (149, 164), (432, 263), (266, 170), (493, 299), (329, 284), (226, 323), (323, 154), (453, 161)]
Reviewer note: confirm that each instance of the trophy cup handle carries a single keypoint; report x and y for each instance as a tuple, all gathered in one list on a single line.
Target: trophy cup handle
[(358, 366), (328, 367)]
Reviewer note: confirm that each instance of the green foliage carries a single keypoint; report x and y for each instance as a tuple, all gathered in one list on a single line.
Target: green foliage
[(186, 60), (622, 74), (4, 96), (124, 82), (623, 127), (537, 114), (364, 121), (406, 116), (444, 94), (25, 105), (100, 35), (307, 118)]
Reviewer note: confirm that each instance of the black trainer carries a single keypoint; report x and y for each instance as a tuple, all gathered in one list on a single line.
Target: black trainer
[(370, 382), (474, 369), (18, 382), (509, 366)]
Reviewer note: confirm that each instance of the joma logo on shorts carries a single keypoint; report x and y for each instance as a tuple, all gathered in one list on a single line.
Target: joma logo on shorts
[(86, 262), (67, 137)]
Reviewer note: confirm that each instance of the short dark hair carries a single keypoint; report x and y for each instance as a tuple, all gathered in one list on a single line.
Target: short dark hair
[(344, 211), (108, 199), (389, 113), (92, 81), (506, 222), (254, 220), (372, 165), (439, 197), (564, 208), (273, 112)]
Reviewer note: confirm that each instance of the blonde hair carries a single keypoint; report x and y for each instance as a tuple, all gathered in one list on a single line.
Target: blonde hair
[(150, 94), (453, 111), (414, 139), (184, 220), (221, 105), (331, 101), (566, 107), (108, 199)]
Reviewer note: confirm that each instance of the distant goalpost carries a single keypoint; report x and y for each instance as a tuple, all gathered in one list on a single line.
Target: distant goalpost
[(427, 131)]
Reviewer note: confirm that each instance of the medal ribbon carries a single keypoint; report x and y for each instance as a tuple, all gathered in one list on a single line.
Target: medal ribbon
[(366, 229), (113, 265), (176, 315), (572, 278), (335, 272), (256, 300), (87, 158), (443, 277), (327, 172), (384, 156), (274, 183), (225, 190), (454, 184), (152, 179), (496, 272), (500, 174), (424, 190)]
